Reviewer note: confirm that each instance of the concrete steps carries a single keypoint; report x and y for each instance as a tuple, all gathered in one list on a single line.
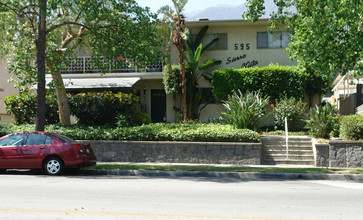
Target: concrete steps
[(300, 151)]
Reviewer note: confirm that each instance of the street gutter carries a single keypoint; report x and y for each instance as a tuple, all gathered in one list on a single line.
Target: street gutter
[(221, 175)]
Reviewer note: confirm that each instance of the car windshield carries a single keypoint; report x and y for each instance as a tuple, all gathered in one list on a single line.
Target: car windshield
[(64, 138)]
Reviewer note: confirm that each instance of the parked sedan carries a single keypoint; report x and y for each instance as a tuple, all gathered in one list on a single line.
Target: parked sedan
[(41, 150)]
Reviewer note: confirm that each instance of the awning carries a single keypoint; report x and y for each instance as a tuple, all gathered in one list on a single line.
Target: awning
[(89, 83)]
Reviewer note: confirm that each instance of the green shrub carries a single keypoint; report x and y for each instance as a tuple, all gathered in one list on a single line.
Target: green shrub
[(4, 129), (294, 110), (140, 118), (322, 120), (23, 108), (51, 111), (154, 132), (273, 81), (351, 127), (122, 121), (103, 107), (245, 110), (171, 79)]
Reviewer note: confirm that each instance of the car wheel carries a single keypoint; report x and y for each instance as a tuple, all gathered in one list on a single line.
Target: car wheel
[(53, 166)]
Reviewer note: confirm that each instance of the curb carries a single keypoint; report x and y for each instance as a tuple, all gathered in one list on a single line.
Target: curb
[(234, 175)]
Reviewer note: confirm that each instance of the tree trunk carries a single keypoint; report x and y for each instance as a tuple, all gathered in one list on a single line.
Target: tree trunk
[(183, 84), (41, 42), (63, 107)]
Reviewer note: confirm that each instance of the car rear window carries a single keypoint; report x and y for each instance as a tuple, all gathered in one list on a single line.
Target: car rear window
[(65, 139)]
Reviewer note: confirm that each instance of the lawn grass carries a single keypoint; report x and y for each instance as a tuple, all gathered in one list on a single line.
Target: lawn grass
[(225, 169)]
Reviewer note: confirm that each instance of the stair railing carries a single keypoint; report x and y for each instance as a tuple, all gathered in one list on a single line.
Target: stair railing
[(287, 139)]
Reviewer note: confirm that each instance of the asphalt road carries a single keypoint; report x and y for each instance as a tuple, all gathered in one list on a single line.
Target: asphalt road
[(35, 196)]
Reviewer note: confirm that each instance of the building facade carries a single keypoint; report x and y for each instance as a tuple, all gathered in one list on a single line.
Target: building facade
[(241, 44)]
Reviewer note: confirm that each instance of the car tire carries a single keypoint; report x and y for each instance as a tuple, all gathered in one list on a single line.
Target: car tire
[(53, 166)]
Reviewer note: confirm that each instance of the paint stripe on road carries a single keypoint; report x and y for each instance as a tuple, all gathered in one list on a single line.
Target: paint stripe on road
[(31, 211)]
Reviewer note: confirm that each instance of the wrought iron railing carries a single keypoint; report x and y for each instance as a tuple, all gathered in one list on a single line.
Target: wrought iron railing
[(87, 65)]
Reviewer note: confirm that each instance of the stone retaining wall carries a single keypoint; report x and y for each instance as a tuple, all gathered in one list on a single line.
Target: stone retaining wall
[(340, 154), (346, 154), (177, 152), (322, 155)]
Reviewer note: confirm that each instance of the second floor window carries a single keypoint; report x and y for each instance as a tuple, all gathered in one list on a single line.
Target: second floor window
[(221, 44), (276, 39)]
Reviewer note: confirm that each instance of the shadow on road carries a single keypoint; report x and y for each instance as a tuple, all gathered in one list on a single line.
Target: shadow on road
[(190, 176)]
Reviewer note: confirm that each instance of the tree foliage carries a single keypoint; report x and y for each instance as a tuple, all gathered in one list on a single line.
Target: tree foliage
[(110, 28), (328, 35)]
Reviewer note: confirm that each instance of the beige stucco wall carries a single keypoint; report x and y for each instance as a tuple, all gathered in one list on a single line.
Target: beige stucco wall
[(239, 32), (8, 89)]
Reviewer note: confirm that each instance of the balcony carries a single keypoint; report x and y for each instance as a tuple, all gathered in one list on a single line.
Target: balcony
[(81, 65)]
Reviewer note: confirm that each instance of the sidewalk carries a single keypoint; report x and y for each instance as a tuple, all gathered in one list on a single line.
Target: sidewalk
[(236, 175)]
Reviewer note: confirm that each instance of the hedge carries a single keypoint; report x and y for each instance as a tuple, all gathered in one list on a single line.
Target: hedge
[(90, 108), (274, 81), (103, 107), (153, 132), (23, 108)]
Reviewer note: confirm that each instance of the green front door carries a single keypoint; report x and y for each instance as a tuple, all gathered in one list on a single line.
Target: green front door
[(158, 105)]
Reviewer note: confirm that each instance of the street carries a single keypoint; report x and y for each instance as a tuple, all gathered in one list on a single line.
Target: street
[(26, 195)]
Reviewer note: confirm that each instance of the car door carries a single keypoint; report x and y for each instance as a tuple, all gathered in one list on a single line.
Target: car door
[(34, 149), (10, 151)]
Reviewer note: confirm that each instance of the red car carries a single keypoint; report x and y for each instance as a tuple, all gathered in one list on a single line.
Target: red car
[(41, 150)]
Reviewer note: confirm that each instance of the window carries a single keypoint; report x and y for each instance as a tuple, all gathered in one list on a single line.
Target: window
[(38, 139), (276, 39), (221, 44), (13, 140), (65, 139)]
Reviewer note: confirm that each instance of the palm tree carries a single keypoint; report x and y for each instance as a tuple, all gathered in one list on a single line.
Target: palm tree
[(196, 69), (178, 37)]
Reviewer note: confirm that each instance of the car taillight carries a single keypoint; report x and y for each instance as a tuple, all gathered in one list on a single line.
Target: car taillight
[(77, 148)]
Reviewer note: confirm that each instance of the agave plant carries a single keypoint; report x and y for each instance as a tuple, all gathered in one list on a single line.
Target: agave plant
[(245, 110), (322, 120)]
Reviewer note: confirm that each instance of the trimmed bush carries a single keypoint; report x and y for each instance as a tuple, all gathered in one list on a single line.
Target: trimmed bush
[(245, 110), (103, 107), (294, 110), (273, 81), (154, 132), (322, 120), (23, 108), (351, 127), (140, 118)]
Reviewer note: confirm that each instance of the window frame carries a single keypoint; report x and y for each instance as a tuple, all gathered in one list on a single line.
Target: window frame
[(268, 43), (218, 45)]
